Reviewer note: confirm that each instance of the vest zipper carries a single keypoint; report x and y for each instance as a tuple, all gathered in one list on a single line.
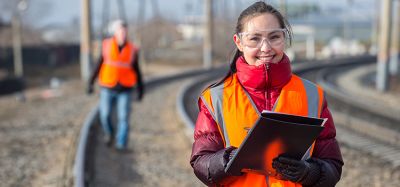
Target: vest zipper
[(267, 95)]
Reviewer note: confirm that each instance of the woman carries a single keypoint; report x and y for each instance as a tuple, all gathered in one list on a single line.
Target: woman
[(260, 78)]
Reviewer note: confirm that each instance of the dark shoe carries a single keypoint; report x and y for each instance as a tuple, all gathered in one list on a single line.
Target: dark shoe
[(108, 140), (120, 148)]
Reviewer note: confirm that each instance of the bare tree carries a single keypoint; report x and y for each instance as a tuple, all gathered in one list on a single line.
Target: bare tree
[(36, 10), (29, 17)]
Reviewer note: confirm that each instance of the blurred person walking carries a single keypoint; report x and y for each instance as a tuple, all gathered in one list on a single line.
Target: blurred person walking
[(260, 78), (118, 71)]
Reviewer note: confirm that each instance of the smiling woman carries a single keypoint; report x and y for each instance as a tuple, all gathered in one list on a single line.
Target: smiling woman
[(260, 79)]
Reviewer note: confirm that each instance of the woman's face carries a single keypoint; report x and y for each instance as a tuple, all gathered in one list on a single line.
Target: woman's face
[(262, 40)]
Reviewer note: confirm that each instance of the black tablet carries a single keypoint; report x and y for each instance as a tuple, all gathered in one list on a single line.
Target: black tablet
[(272, 135)]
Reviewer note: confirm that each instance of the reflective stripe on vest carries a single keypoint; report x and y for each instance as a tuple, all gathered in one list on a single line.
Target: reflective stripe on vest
[(117, 65), (221, 108), (229, 103)]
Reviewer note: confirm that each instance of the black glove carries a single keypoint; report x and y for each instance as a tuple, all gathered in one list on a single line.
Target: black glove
[(218, 162), (299, 171), (89, 89), (232, 154)]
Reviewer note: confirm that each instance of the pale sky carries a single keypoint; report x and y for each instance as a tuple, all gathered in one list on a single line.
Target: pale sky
[(63, 11)]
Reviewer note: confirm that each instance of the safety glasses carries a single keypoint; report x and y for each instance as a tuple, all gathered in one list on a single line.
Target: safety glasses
[(255, 39)]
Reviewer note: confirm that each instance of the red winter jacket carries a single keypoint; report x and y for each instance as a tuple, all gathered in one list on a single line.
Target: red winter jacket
[(264, 88)]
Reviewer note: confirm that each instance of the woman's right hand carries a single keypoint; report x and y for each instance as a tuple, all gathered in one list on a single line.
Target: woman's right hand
[(232, 154), (218, 162)]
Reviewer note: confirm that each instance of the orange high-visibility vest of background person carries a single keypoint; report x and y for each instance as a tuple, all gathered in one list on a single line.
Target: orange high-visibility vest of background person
[(118, 71)]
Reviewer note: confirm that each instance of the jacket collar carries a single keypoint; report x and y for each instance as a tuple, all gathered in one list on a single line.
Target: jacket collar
[(258, 78)]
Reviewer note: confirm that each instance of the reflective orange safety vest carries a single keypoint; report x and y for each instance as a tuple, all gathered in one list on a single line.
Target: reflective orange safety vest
[(117, 65), (234, 112)]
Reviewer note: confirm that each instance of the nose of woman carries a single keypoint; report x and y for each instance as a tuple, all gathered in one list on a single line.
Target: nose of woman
[(265, 46)]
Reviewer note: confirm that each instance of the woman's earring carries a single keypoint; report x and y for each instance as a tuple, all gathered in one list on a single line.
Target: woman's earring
[(240, 47)]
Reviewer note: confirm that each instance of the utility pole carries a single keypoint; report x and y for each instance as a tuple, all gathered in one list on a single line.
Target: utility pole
[(394, 49), (384, 37), (17, 49), (207, 40), (17, 38), (85, 39)]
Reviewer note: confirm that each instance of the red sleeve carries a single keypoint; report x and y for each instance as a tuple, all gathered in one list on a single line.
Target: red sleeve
[(326, 147), (207, 140)]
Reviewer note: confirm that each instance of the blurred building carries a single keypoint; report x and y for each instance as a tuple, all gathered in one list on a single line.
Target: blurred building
[(336, 31), (327, 27), (192, 29), (61, 34), (46, 46)]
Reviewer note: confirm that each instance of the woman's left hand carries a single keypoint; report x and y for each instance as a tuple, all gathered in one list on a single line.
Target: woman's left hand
[(291, 169)]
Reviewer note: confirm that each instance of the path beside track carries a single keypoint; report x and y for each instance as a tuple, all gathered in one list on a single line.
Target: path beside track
[(158, 151)]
